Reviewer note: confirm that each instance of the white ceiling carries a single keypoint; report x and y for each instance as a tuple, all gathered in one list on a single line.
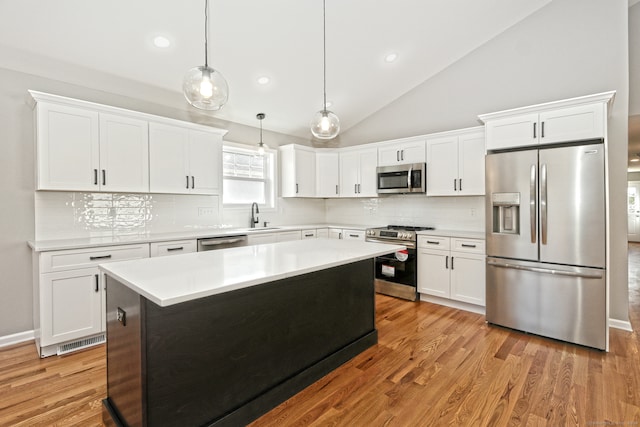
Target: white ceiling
[(281, 39)]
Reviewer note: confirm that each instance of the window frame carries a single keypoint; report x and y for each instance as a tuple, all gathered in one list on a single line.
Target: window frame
[(271, 169)]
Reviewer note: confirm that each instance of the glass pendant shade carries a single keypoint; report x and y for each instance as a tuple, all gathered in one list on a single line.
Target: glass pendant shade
[(205, 88), (261, 147), (325, 125)]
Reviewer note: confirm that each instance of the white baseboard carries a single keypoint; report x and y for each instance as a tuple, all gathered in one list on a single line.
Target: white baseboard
[(453, 304), (625, 325), (8, 340)]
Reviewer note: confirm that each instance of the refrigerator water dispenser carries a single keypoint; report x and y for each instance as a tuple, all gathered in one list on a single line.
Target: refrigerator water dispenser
[(506, 213)]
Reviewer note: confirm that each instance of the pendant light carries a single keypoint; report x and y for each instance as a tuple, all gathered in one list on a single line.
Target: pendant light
[(204, 87), (325, 124), (261, 145)]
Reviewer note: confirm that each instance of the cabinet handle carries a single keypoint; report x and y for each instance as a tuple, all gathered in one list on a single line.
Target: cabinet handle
[(464, 245), (534, 130), (93, 258), (339, 235), (359, 188), (193, 181), (97, 276), (187, 181), (455, 186), (104, 177), (452, 263), (354, 235), (95, 177), (542, 130), (460, 184), (432, 242), (308, 235), (355, 188), (179, 248), (446, 262), (397, 155), (296, 188), (337, 189), (401, 154)]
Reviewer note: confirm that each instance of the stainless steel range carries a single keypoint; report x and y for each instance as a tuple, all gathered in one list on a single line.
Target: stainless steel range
[(397, 272)]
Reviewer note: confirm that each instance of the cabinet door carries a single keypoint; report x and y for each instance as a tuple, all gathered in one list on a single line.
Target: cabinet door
[(471, 164), (71, 303), (442, 166), (67, 148), (353, 234), (327, 175), (335, 233), (305, 173), (205, 162), (285, 236), (572, 124), (322, 232), (168, 159), (349, 173), (512, 131), (389, 155), (124, 154), (413, 152), (368, 164), (176, 247), (433, 272), (259, 239), (468, 277)]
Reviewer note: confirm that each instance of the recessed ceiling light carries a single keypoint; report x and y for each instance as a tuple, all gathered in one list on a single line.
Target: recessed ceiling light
[(263, 80), (391, 57), (161, 42)]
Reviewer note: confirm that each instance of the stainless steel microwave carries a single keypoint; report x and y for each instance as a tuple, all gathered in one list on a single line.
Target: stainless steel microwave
[(409, 178)]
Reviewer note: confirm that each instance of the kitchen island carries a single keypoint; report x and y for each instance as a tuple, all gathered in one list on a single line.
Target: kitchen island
[(220, 337)]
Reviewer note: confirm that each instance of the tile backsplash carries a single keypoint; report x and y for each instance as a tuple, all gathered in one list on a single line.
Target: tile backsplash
[(62, 215)]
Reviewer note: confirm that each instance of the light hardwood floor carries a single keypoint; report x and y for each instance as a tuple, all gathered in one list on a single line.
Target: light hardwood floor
[(432, 366)]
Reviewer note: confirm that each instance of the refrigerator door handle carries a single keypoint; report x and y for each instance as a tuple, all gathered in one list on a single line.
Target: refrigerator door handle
[(543, 204), (533, 196), (546, 270)]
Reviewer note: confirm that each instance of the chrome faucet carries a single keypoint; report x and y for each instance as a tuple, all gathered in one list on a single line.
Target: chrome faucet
[(254, 215)]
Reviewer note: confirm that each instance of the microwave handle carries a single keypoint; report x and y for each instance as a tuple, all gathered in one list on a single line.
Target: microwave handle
[(409, 177)]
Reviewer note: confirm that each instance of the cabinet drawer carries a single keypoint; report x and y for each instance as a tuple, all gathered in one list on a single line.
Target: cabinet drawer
[(353, 234), (175, 247), (308, 234), (81, 258), (467, 245), (322, 232), (285, 236), (434, 242)]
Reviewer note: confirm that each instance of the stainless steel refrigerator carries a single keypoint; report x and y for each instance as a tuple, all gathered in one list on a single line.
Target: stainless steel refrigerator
[(546, 242)]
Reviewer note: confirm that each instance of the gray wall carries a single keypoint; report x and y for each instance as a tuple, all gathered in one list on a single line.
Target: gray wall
[(17, 173), (634, 60), (633, 176), (568, 48)]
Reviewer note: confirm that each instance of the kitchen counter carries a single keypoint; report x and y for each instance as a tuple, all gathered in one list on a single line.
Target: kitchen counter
[(218, 338), (454, 233), (172, 280), (199, 233)]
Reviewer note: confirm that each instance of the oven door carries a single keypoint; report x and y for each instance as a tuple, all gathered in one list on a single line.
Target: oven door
[(398, 267)]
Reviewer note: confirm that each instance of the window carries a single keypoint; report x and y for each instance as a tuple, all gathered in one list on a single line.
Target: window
[(247, 176)]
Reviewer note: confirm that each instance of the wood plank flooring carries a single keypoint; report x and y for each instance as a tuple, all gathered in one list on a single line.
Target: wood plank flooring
[(432, 366)]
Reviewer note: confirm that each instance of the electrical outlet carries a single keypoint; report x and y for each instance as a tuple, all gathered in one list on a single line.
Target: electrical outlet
[(206, 211), (121, 316), (473, 212)]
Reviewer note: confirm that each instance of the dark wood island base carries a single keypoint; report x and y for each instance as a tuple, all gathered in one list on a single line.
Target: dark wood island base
[(226, 359)]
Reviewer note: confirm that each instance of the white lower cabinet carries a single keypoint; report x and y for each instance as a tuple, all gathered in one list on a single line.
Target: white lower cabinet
[(453, 268), (335, 233), (308, 234), (322, 232), (284, 236), (69, 296), (173, 247), (348, 234), (259, 239)]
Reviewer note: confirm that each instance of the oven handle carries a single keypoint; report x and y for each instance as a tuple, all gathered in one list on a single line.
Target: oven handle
[(409, 245)]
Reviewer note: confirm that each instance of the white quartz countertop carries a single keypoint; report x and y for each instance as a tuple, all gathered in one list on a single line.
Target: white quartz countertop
[(172, 280), (454, 233), (201, 233)]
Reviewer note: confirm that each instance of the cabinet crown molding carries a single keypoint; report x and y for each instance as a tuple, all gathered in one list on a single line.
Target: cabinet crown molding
[(36, 96), (604, 97)]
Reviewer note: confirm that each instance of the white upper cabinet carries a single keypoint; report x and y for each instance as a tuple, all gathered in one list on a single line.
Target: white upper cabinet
[(83, 146), (401, 152), (327, 174), (298, 171), (183, 160), (124, 154), (358, 172), (455, 163), (82, 150), (568, 120)]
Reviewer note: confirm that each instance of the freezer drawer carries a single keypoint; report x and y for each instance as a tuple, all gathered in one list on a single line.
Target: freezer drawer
[(561, 302)]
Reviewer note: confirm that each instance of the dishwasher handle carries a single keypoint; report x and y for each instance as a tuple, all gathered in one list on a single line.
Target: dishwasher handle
[(217, 242)]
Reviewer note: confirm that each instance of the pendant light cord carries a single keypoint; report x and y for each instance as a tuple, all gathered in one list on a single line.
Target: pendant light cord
[(324, 53), (206, 32)]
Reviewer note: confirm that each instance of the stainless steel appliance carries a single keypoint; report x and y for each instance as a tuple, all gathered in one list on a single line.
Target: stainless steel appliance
[(397, 273), (213, 243), (546, 242), (402, 178)]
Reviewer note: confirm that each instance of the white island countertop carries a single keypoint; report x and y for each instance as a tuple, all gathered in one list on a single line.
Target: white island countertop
[(172, 280)]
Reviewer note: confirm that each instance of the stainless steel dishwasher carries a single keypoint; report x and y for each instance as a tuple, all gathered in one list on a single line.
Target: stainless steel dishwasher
[(213, 243)]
